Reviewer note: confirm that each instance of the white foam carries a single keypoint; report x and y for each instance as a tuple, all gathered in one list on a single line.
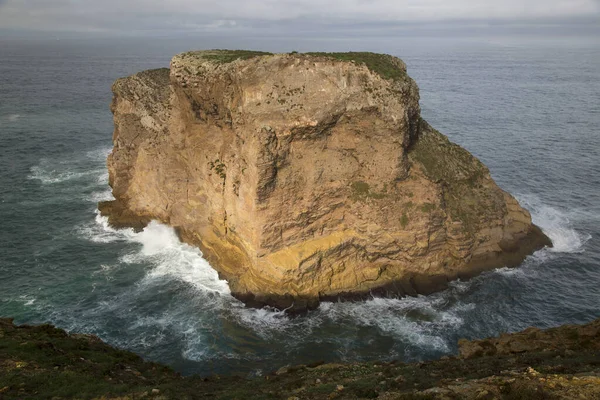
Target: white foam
[(555, 223), (172, 258), (13, 117), (90, 164), (99, 154), (513, 272), (102, 178), (267, 323), (157, 238), (460, 286), (27, 300), (163, 250), (104, 195), (419, 321), (100, 231), (30, 302), (198, 348), (194, 351), (51, 176)]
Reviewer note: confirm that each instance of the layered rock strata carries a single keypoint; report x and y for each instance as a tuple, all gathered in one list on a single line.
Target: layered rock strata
[(305, 177)]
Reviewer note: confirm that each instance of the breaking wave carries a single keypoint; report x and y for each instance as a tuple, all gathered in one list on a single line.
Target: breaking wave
[(416, 325), (557, 224), (161, 247)]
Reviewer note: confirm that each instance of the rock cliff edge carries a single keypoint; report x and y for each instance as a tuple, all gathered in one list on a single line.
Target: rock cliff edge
[(305, 177)]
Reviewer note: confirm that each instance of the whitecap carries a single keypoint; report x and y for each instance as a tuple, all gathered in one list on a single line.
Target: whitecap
[(30, 302), (49, 175), (176, 259), (13, 117), (27, 300)]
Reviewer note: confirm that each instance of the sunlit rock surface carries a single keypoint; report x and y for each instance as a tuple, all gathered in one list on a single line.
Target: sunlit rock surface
[(305, 177)]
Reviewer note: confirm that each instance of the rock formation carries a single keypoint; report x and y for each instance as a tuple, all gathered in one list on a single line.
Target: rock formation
[(305, 177)]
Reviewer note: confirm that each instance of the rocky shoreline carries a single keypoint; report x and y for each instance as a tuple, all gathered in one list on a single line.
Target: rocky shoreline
[(307, 177), (44, 362)]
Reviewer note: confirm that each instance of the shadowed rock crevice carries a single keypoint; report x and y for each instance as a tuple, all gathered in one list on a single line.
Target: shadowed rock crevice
[(305, 177)]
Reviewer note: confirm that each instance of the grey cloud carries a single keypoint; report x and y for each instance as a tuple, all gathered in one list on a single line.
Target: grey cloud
[(143, 16)]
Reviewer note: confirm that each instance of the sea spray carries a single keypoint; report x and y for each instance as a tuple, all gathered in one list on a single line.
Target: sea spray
[(556, 224), (161, 246)]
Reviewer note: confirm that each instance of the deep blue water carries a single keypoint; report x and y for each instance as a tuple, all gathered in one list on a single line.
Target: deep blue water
[(530, 110)]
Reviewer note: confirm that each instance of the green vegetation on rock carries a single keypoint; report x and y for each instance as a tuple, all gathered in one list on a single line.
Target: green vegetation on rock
[(361, 190), (443, 160), (427, 207), (466, 197), (227, 56), (386, 66), (404, 220), (219, 167)]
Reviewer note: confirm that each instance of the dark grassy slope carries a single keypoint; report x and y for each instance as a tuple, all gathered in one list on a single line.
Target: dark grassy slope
[(43, 362)]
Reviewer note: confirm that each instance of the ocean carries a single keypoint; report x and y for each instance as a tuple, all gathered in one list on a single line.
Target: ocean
[(529, 109)]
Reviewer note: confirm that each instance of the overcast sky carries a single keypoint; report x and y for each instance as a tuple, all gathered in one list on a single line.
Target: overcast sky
[(155, 17)]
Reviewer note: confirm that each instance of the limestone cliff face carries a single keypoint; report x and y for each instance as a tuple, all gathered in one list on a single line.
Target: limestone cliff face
[(307, 176)]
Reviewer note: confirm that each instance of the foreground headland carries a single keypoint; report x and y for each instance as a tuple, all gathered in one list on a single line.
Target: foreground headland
[(305, 177), (43, 362)]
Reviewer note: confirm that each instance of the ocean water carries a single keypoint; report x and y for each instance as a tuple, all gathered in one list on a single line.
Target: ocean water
[(530, 110)]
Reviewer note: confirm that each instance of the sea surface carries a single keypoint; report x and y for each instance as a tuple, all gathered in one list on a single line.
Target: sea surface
[(529, 109)]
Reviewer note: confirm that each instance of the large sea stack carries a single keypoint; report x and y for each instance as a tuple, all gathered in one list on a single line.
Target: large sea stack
[(305, 177)]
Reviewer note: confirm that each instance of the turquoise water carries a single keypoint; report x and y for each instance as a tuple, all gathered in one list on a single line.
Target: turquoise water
[(529, 110)]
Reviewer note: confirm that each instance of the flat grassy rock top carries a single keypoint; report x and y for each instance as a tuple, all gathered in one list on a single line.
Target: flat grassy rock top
[(385, 65), (224, 56)]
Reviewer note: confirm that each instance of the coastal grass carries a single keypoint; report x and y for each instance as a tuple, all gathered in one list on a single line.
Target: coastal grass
[(228, 56), (386, 66), (361, 190), (466, 196)]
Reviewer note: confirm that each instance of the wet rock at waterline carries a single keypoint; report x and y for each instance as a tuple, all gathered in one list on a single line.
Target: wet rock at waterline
[(305, 177)]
